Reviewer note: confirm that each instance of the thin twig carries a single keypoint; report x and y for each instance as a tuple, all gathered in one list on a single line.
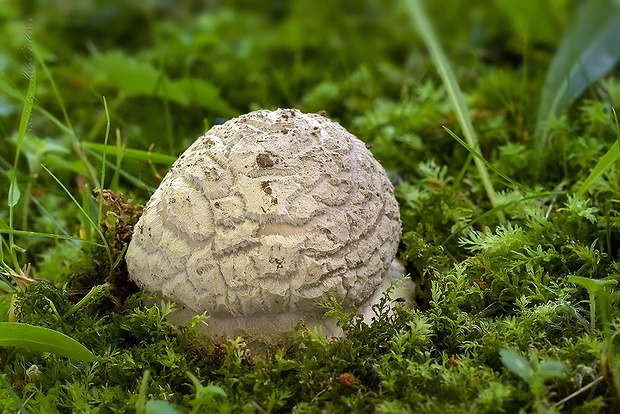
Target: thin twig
[(579, 391)]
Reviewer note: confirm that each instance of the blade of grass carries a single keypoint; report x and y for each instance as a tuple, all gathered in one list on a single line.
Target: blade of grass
[(5, 229), (37, 338), (48, 236), (604, 163), (588, 51), (86, 198), (15, 397), (131, 153), (5, 287), (47, 72), (509, 181), (14, 193), (120, 155), (105, 151), (14, 93), (423, 24), (94, 294), (121, 255), (97, 228)]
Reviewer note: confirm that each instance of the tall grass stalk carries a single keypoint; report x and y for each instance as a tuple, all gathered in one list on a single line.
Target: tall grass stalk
[(14, 396), (14, 192), (424, 26), (604, 163), (105, 151)]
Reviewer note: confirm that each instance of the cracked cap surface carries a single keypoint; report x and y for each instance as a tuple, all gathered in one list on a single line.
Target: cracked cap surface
[(269, 213)]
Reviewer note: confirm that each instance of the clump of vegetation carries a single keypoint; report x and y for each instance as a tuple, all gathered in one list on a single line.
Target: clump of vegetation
[(508, 192)]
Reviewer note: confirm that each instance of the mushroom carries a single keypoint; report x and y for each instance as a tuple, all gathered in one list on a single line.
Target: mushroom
[(261, 219)]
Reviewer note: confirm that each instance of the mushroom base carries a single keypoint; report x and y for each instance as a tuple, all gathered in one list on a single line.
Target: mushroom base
[(268, 332), (261, 333)]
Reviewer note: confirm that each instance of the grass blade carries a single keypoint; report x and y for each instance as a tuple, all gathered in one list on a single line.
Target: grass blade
[(49, 215), (120, 154), (509, 181), (422, 22), (494, 210), (55, 90), (589, 50), (516, 363), (133, 153), (14, 192), (605, 162), (47, 235), (37, 338), (18, 401), (95, 293), (105, 152)]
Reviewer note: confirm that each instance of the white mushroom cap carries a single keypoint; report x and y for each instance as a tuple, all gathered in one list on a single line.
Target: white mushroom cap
[(262, 218)]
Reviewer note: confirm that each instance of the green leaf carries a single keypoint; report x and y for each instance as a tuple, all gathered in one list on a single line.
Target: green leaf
[(26, 114), (599, 298), (593, 285), (603, 164), (205, 396), (139, 78), (159, 407), (14, 193), (140, 402), (551, 368), (5, 287), (203, 94), (37, 338), (517, 364), (589, 50)]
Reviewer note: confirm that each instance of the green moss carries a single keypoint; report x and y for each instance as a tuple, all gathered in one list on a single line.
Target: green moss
[(496, 313)]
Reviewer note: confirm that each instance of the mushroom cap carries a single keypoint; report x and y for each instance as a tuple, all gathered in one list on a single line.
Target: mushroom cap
[(265, 216)]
